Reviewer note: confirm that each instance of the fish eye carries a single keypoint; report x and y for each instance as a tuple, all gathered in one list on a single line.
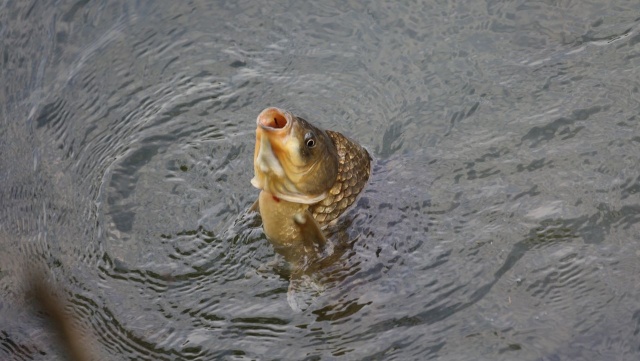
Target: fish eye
[(309, 141)]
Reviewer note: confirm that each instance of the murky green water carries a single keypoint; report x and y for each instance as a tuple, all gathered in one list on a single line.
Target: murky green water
[(502, 220)]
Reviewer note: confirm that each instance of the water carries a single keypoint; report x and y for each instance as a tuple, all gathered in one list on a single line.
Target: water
[(501, 221)]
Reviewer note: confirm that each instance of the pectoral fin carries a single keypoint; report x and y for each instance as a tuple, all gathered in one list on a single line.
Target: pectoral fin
[(310, 230), (304, 288), (255, 207)]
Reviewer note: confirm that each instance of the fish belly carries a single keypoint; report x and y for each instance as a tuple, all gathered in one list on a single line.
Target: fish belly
[(278, 220)]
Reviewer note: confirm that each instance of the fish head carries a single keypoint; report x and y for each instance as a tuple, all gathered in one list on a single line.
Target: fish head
[(293, 160)]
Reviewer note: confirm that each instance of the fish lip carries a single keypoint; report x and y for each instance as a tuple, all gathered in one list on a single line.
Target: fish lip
[(270, 120), (273, 128)]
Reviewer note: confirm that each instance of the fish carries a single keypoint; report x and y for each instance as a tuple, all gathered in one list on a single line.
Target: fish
[(307, 178)]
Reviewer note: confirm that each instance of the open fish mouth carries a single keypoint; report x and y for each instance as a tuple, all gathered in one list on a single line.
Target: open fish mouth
[(274, 167), (275, 120)]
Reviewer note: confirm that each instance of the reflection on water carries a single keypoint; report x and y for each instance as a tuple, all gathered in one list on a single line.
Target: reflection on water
[(500, 222)]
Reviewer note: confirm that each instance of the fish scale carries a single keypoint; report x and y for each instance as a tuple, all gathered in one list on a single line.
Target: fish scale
[(354, 168)]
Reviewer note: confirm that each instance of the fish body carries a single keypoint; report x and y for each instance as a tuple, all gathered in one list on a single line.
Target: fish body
[(307, 177)]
